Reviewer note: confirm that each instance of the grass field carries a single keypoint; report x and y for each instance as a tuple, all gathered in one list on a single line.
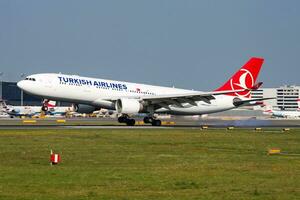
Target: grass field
[(149, 164)]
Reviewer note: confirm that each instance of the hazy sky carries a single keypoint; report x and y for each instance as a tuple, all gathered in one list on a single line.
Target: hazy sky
[(188, 44)]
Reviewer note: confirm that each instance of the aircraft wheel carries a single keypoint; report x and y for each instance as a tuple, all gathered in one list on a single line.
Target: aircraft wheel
[(130, 122), (148, 120), (45, 108), (122, 119), (156, 123)]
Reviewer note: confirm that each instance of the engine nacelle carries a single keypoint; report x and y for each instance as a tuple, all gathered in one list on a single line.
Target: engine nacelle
[(128, 106), (237, 102), (82, 108)]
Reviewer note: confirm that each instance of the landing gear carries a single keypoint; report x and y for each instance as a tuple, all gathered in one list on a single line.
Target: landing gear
[(45, 105), (156, 122), (122, 119), (44, 108), (130, 122), (125, 119), (148, 120), (151, 120)]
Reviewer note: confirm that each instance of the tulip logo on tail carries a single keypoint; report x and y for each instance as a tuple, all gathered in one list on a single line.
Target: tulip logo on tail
[(243, 80)]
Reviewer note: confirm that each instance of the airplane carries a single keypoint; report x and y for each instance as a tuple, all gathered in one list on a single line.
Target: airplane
[(30, 111), (105, 113), (128, 99), (4, 115), (282, 113), (22, 111)]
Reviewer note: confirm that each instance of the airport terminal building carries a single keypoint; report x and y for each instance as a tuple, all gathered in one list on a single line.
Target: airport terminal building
[(10, 92), (287, 97)]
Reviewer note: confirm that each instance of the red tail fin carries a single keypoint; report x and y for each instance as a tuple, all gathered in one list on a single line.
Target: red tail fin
[(245, 78), (51, 104)]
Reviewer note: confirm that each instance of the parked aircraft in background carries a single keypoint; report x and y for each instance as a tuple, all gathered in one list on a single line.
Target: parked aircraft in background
[(282, 113), (30, 111), (4, 115), (129, 99), (105, 113)]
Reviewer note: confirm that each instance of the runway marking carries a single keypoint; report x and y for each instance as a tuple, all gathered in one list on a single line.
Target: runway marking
[(29, 121)]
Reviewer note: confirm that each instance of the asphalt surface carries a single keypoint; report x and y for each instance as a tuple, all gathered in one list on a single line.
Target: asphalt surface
[(109, 123)]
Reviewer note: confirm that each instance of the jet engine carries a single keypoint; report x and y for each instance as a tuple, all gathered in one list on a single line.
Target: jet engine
[(82, 108), (128, 106)]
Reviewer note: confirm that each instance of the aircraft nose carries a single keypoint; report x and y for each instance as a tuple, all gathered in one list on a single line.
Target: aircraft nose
[(21, 84)]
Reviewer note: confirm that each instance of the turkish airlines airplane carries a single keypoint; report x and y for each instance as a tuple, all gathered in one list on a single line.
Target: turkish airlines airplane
[(129, 99)]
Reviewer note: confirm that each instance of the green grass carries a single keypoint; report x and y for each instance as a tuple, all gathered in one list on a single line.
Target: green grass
[(149, 164)]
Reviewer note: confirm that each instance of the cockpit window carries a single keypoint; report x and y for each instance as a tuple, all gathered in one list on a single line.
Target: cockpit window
[(30, 79)]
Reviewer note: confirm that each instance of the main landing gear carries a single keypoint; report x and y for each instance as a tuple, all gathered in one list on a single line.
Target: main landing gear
[(45, 107), (131, 122), (151, 120), (127, 120)]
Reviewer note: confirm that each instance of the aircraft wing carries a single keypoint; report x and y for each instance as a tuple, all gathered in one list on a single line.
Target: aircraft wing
[(191, 98), (178, 99)]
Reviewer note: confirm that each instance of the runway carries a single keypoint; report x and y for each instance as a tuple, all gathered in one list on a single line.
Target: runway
[(28, 127), (109, 123)]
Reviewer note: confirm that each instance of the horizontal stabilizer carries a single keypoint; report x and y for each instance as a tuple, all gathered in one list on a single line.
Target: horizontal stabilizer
[(240, 102)]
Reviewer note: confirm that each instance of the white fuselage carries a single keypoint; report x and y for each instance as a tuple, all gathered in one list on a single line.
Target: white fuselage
[(102, 93), (286, 114)]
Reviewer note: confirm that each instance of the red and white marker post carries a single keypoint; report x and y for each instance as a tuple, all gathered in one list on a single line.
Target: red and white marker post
[(54, 158)]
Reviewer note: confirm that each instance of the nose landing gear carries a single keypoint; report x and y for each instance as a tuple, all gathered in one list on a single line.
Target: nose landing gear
[(45, 107)]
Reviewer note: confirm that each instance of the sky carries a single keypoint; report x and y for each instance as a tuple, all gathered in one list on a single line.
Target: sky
[(188, 44)]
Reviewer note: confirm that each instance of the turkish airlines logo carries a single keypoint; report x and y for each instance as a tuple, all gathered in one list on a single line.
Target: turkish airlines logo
[(243, 80)]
